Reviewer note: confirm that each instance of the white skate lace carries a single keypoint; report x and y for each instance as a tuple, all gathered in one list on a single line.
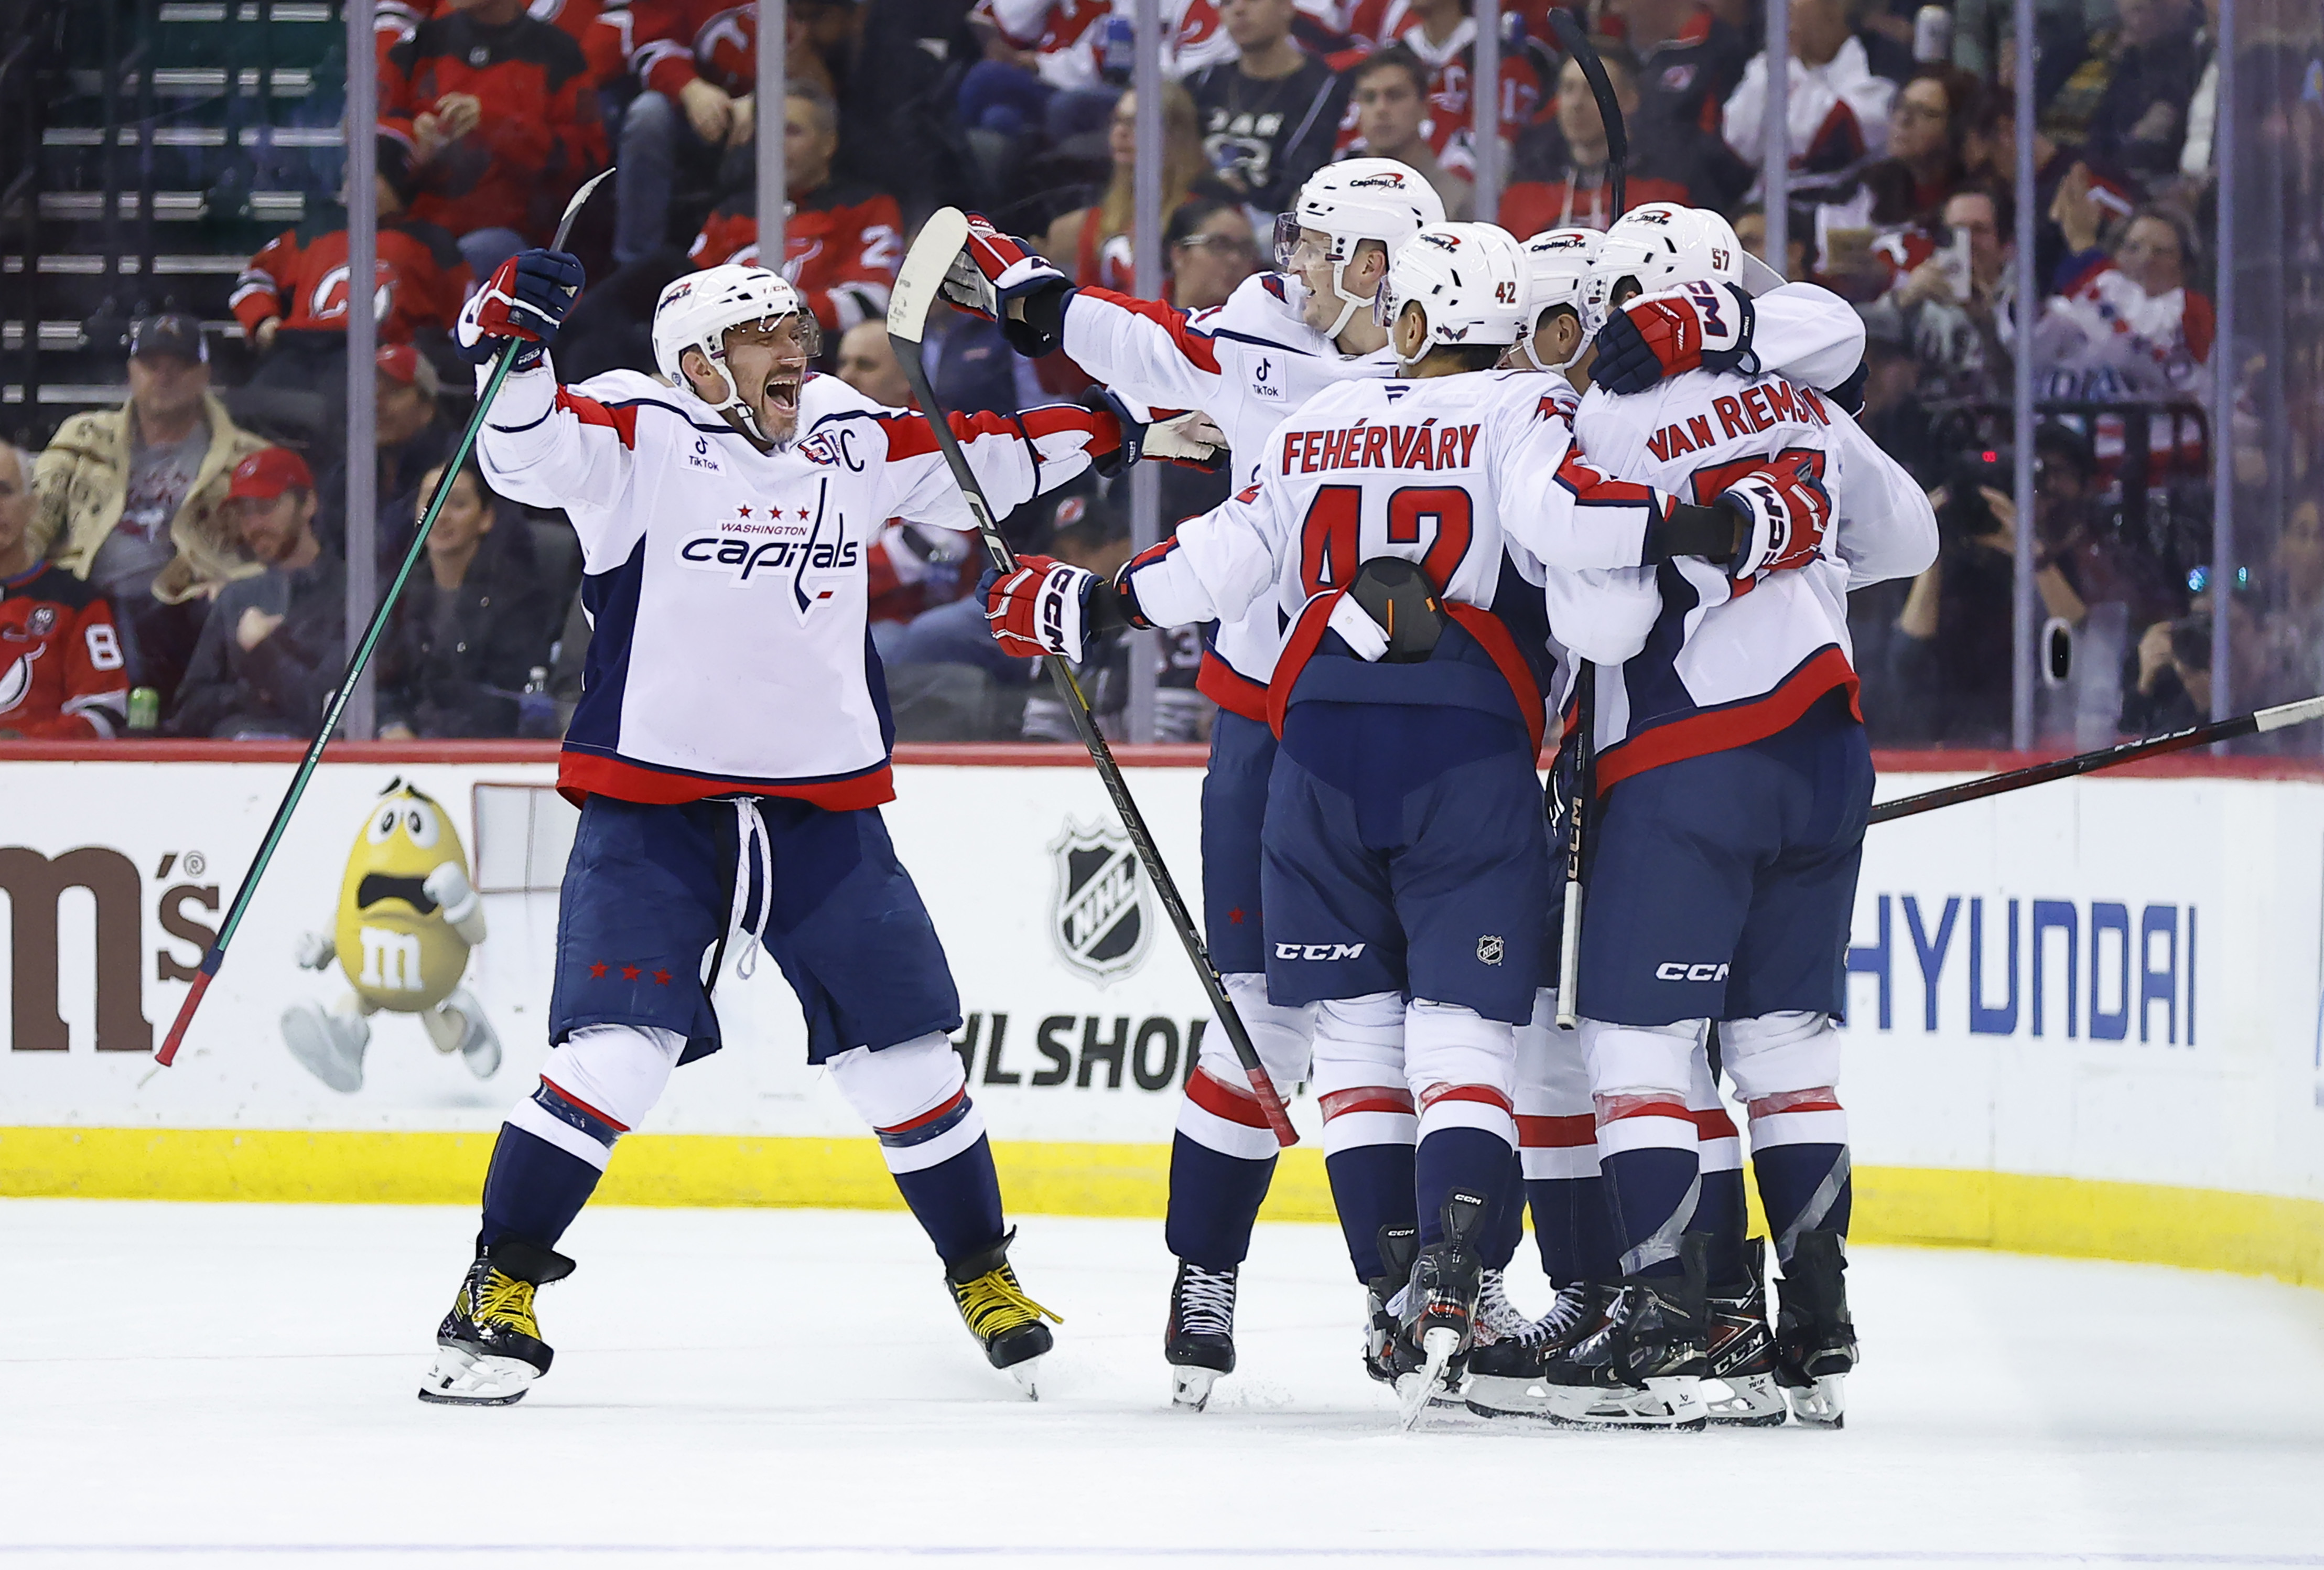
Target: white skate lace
[(1573, 1302), (1497, 1318), (1206, 1301)]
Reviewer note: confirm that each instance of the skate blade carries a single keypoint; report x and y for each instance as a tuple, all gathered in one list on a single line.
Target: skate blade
[(459, 1378), (1501, 1396), (1415, 1392), (1190, 1388), (1821, 1405), (1675, 1402), (1744, 1401), (1027, 1375)]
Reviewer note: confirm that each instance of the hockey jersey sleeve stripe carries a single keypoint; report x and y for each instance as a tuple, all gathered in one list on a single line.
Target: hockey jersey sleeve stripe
[(1191, 342), (1738, 725), (621, 419)]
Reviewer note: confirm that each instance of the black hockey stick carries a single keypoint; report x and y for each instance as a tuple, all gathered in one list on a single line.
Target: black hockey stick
[(216, 956), (2257, 722), (932, 254), (1585, 673)]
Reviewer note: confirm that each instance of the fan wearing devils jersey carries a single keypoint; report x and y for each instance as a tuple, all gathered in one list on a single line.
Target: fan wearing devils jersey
[(730, 752), (1733, 782), (62, 671), (297, 284), (1280, 339), (1403, 527)]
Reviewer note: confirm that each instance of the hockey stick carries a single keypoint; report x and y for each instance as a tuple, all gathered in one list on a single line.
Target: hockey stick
[(2256, 723), (1585, 673), (940, 243), (216, 956)]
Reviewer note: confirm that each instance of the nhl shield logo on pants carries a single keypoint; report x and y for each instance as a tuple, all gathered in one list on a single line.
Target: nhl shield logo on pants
[(1100, 918)]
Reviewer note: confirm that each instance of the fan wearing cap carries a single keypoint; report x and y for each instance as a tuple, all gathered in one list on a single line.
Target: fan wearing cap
[(275, 643), (132, 500), (62, 671)]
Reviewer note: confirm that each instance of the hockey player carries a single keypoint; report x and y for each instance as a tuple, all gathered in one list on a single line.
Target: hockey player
[(1398, 526), (1815, 336), (1733, 782), (1279, 340), (723, 511)]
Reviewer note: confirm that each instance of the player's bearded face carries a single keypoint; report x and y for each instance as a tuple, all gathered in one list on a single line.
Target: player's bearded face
[(768, 362)]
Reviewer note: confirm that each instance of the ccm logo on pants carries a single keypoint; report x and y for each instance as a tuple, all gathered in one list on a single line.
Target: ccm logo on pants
[(1319, 951), (1678, 971)]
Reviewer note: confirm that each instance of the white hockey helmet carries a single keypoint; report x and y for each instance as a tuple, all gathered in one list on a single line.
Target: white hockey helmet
[(1560, 269), (1468, 281), (1361, 199), (695, 312), (1664, 245)]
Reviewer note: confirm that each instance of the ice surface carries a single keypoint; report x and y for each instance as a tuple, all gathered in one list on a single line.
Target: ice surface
[(225, 1385)]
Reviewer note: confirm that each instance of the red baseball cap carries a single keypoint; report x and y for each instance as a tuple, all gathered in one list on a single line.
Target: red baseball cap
[(268, 473), (404, 364)]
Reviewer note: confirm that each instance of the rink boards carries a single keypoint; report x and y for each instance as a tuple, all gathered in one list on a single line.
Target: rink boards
[(2086, 1018)]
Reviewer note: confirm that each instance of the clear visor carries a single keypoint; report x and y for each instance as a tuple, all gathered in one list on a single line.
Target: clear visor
[(1287, 240), (1298, 248), (794, 337)]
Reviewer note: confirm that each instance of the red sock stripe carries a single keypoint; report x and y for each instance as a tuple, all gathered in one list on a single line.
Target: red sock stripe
[(1481, 1093), (1366, 1098), (1571, 1133), (619, 1128), (1713, 1124), (1823, 1098), (1226, 1101), (952, 1103), (1614, 1109)]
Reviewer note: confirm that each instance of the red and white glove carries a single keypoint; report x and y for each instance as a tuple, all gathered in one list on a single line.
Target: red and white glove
[(525, 299), (1704, 326), (1787, 513), (1041, 607), (998, 278)]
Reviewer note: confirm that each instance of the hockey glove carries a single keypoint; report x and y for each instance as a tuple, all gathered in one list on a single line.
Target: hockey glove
[(1787, 513), (1704, 326), (1108, 405), (1045, 606), (525, 300), (1191, 441), (1003, 279)]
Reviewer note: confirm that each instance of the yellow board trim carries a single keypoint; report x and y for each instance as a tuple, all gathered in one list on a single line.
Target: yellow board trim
[(2204, 1229)]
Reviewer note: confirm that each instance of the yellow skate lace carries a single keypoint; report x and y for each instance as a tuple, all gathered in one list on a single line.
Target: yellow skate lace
[(994, 1304), (507, 1305)]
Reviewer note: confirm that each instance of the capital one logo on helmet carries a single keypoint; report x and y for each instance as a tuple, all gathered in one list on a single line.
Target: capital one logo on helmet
[(1386, 180)]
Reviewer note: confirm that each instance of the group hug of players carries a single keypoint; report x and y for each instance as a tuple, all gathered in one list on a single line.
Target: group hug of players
[(1475, 474)]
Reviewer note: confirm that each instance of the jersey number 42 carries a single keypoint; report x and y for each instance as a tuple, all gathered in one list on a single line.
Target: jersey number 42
[(1334, 540)]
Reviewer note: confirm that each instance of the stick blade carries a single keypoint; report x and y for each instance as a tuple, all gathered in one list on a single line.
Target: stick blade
[(573, 208), (918, 280)]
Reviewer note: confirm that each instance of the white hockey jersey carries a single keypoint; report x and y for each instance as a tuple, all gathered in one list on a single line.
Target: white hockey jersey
[(1475, 477), (728, 587), (1690, 662)]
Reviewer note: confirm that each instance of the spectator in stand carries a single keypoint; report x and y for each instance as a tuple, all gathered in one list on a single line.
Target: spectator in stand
[(1562, 165), (62, 671), (292, 299), (1751, 229), (1689, 60), (1837, 107), (1059, 65), (867, 363), (133, 500), (1097, 238), (680, 115), (2292, 632), (1270, 117), (2127, 102), (1390, 95), (409, 436), (471, 624), (1443, 35), (910, 565), (841, 242), (1886, 218), (1956, 303), (500, 123), (603, 31), (1211, 250), (2173, 689), (275, 643)]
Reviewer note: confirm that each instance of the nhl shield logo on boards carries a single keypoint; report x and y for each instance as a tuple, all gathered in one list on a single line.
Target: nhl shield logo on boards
[(1100, 919)]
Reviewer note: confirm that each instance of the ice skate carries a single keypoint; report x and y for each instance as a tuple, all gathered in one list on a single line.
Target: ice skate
[(1504, 1378), (1739, 1382), (488, 1350), (1644, 1367), (1815, 1338), (1005, 1322), (1439, 1314), (328, 1043), (458, 1024), (1383, 1349), (1199, 1341)]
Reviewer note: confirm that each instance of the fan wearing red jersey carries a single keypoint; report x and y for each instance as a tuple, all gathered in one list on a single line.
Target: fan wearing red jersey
[(61, 673)]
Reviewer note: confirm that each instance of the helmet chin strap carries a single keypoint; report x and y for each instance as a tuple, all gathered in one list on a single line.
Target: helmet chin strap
[(1349, 303), (735, 407)]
